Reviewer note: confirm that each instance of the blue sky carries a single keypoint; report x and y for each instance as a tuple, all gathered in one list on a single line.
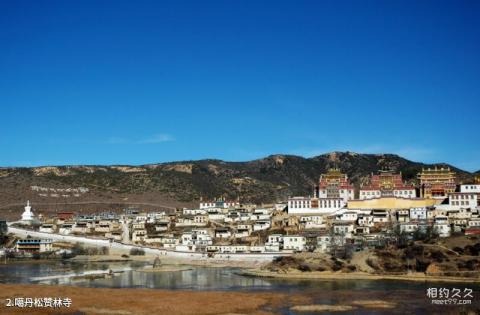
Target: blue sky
[(133, 82)]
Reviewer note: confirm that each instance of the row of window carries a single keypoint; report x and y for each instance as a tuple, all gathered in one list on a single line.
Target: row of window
[(370, 193), (404, 192), (302, 204), (341, 191), (296, 239), (323, 204), (459, 203), (462, 196), (396, 192)]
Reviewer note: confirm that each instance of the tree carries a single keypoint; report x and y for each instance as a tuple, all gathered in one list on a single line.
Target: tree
[(137, 252), (431, 233), (400, 236), (418, 235), (104, 250), (78, 249)]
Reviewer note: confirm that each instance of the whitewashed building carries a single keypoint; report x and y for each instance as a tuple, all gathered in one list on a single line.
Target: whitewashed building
[(82, 227), (348, 216), (194, 211), (47, 228), (34, 245), (139, 235), (365, 220), (442, 226), (443, 229), (66, 228), (261, 225), (470, 188), (403, 215), (463, 200), (325, 242), (223, 233), (294, 242), (219, 204), (274, 243), (380, 216), (343, 228), (474, 222), (308, 205), (417, 214), (242, 230), (408, 227)]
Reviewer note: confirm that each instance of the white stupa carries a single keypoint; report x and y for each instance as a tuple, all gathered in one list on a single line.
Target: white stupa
[(27, 215)]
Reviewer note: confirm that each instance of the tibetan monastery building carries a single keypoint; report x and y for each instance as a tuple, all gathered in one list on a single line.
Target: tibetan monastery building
[(436, 183), (386, 184), (332, 193), (334, 184)]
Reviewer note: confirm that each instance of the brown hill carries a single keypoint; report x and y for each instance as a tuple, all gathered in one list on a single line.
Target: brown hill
[(184, 183)]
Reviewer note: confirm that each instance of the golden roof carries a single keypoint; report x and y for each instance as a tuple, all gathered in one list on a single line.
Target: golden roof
[(334, 171), (391, 203), (443, 172)]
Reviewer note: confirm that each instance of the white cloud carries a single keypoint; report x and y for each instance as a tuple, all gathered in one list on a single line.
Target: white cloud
[(158, 138)]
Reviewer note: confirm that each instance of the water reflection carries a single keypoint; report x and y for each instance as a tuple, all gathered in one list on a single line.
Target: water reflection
[(62, 273), (195, 279), (198, 278)]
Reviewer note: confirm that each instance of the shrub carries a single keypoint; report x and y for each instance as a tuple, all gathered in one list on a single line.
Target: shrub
[(438, 255), (414, 251), (371, 263), (472, 250), (304, 268), (287, 261), (104, 250), (421, 266), (92, 251), (393, 267), (337, 265), (458, 250), (472, 264), (137, 252), (78, 249)]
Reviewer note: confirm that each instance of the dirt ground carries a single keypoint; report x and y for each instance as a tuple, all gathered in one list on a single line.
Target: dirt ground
[(143, 301), (99, 301)]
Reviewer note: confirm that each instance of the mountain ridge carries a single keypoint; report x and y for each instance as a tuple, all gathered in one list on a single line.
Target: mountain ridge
[(277, 155), (184, 183)]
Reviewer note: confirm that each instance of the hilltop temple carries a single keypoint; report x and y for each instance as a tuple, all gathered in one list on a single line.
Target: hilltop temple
[(437, 182), (332, 193), (387, 184), (384, 190), (334, 184)]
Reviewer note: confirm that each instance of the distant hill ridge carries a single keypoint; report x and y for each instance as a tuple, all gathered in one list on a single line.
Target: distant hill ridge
[(263, 180)]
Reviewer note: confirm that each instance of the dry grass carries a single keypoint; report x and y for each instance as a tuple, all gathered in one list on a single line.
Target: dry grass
[(140, 301), (322, 308), (374, 304)]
